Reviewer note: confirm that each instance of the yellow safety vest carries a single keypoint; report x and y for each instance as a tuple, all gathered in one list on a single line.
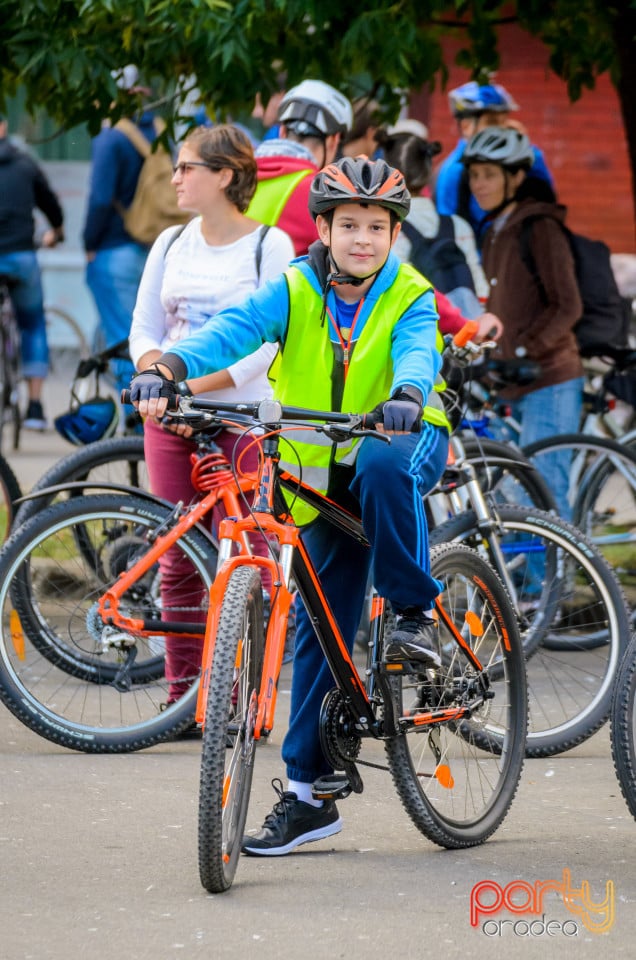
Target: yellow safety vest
[(271, 196), (301, 374)]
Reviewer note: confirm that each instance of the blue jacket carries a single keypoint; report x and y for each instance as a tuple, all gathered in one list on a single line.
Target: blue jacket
[(116, 166), (237, 331)]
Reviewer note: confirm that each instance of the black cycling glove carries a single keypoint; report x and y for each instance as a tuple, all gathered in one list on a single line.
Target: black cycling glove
[(403, 412), (150, 385)]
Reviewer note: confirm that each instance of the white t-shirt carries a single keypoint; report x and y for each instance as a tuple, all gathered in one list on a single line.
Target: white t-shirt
[(192, 282)]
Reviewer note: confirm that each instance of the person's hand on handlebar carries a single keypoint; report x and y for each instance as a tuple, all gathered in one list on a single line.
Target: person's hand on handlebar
[(402, 413), (490, 327), (152, 393)]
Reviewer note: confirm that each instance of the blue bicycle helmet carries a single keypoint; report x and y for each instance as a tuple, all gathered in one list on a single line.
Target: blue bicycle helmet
[(86, 422), (471, 99)]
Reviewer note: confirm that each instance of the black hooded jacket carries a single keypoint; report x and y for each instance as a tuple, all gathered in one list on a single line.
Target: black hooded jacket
[(23, 187)]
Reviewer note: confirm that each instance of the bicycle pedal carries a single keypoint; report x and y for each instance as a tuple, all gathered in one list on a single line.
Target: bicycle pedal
[(331, 787), (402, 666)]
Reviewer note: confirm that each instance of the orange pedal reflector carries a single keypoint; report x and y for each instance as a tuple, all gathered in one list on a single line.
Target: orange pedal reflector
[(475, 625), (444, 776), (17, 634)]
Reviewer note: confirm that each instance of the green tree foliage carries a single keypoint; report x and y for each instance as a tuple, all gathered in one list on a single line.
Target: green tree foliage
[(62, 52)]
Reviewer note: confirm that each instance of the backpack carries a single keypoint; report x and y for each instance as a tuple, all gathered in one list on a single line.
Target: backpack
[(154, 205), (606, 314), (439, 258)]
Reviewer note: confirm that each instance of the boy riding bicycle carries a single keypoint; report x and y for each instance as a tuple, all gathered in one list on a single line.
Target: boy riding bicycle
[(357, 331)]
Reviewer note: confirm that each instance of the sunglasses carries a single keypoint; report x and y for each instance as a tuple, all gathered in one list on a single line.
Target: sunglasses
[(183, 167)]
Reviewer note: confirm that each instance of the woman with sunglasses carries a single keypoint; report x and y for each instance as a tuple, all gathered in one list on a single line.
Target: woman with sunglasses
[(193, 272)]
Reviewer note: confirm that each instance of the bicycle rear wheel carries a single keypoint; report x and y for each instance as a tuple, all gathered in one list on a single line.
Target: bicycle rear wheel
[(569, 598), (227, 760), (115, 460), (65, 671), (623, 726), (457, 779)]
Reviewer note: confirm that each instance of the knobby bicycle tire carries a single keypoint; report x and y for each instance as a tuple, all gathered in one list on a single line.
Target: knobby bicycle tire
[(9, 492), (457, 780), (62, 672), (114, 460), (623, 726), (570, 688), (228, 753)]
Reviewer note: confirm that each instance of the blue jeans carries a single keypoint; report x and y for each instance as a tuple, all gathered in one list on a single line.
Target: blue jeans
[(545, 413), (386, 491), (28, 301), (113, 279)]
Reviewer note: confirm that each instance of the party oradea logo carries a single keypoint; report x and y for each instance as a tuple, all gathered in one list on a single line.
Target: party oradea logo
[(526, 902)]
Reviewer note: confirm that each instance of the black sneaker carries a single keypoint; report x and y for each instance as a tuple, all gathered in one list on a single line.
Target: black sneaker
[(414, 639), (35, 419), (291, 823)]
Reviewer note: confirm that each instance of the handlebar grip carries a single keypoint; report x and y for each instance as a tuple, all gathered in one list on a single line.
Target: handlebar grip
[(125, 398), (466, 333)]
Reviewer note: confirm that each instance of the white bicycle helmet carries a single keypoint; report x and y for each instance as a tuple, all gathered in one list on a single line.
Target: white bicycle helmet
[(315, 109), (501, 145)]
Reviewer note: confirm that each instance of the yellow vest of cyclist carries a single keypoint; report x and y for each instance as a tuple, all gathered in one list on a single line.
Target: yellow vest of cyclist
[(358, 206)]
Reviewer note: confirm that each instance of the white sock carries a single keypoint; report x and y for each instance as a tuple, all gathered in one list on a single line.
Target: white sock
[(303, 792)]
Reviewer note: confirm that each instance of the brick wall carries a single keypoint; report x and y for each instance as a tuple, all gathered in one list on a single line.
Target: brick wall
[(583, 142)]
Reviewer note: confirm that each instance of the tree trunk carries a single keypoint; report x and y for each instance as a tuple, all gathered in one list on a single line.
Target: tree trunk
[(624, 29)]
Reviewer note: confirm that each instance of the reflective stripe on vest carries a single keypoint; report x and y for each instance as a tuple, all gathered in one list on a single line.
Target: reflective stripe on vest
[(301, 374), (271, 196)]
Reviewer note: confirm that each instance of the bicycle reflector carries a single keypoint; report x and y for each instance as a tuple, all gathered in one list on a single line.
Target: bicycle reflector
[(86, 422)]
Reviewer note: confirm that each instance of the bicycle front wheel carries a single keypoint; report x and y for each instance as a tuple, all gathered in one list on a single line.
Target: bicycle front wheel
[(623, 726), (227, 760), (602, 496), (9, 492), (457, 779), (65, 671)]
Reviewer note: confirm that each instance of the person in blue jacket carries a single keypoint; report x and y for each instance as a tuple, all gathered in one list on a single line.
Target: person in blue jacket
[(357, 331), (114, 260), (476, 107)]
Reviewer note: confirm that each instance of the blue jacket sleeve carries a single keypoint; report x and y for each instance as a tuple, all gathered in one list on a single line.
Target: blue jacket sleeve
[(416, 359)]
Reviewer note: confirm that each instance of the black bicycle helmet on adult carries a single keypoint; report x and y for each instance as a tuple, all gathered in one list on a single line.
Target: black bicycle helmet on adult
[(501, 145), (359, 180), (315, 109)]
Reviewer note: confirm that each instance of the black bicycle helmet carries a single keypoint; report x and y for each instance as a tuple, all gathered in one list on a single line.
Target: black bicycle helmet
[(86, 422), (315, 109), (501, 145), (359, 180)]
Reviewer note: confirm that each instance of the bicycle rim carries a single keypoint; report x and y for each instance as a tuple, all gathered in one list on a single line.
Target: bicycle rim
[(457, 779), (623, 726), (227, 760), (602, 497), (572, 672), (63, 671)]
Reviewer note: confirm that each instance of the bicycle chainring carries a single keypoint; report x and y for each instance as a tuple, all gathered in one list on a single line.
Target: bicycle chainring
[(339, 744)]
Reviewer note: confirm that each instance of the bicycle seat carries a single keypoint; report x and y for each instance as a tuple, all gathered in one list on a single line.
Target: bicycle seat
[(516, 372)]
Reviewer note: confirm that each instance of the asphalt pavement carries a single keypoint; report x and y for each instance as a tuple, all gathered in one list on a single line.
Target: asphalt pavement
[(98, 855)]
